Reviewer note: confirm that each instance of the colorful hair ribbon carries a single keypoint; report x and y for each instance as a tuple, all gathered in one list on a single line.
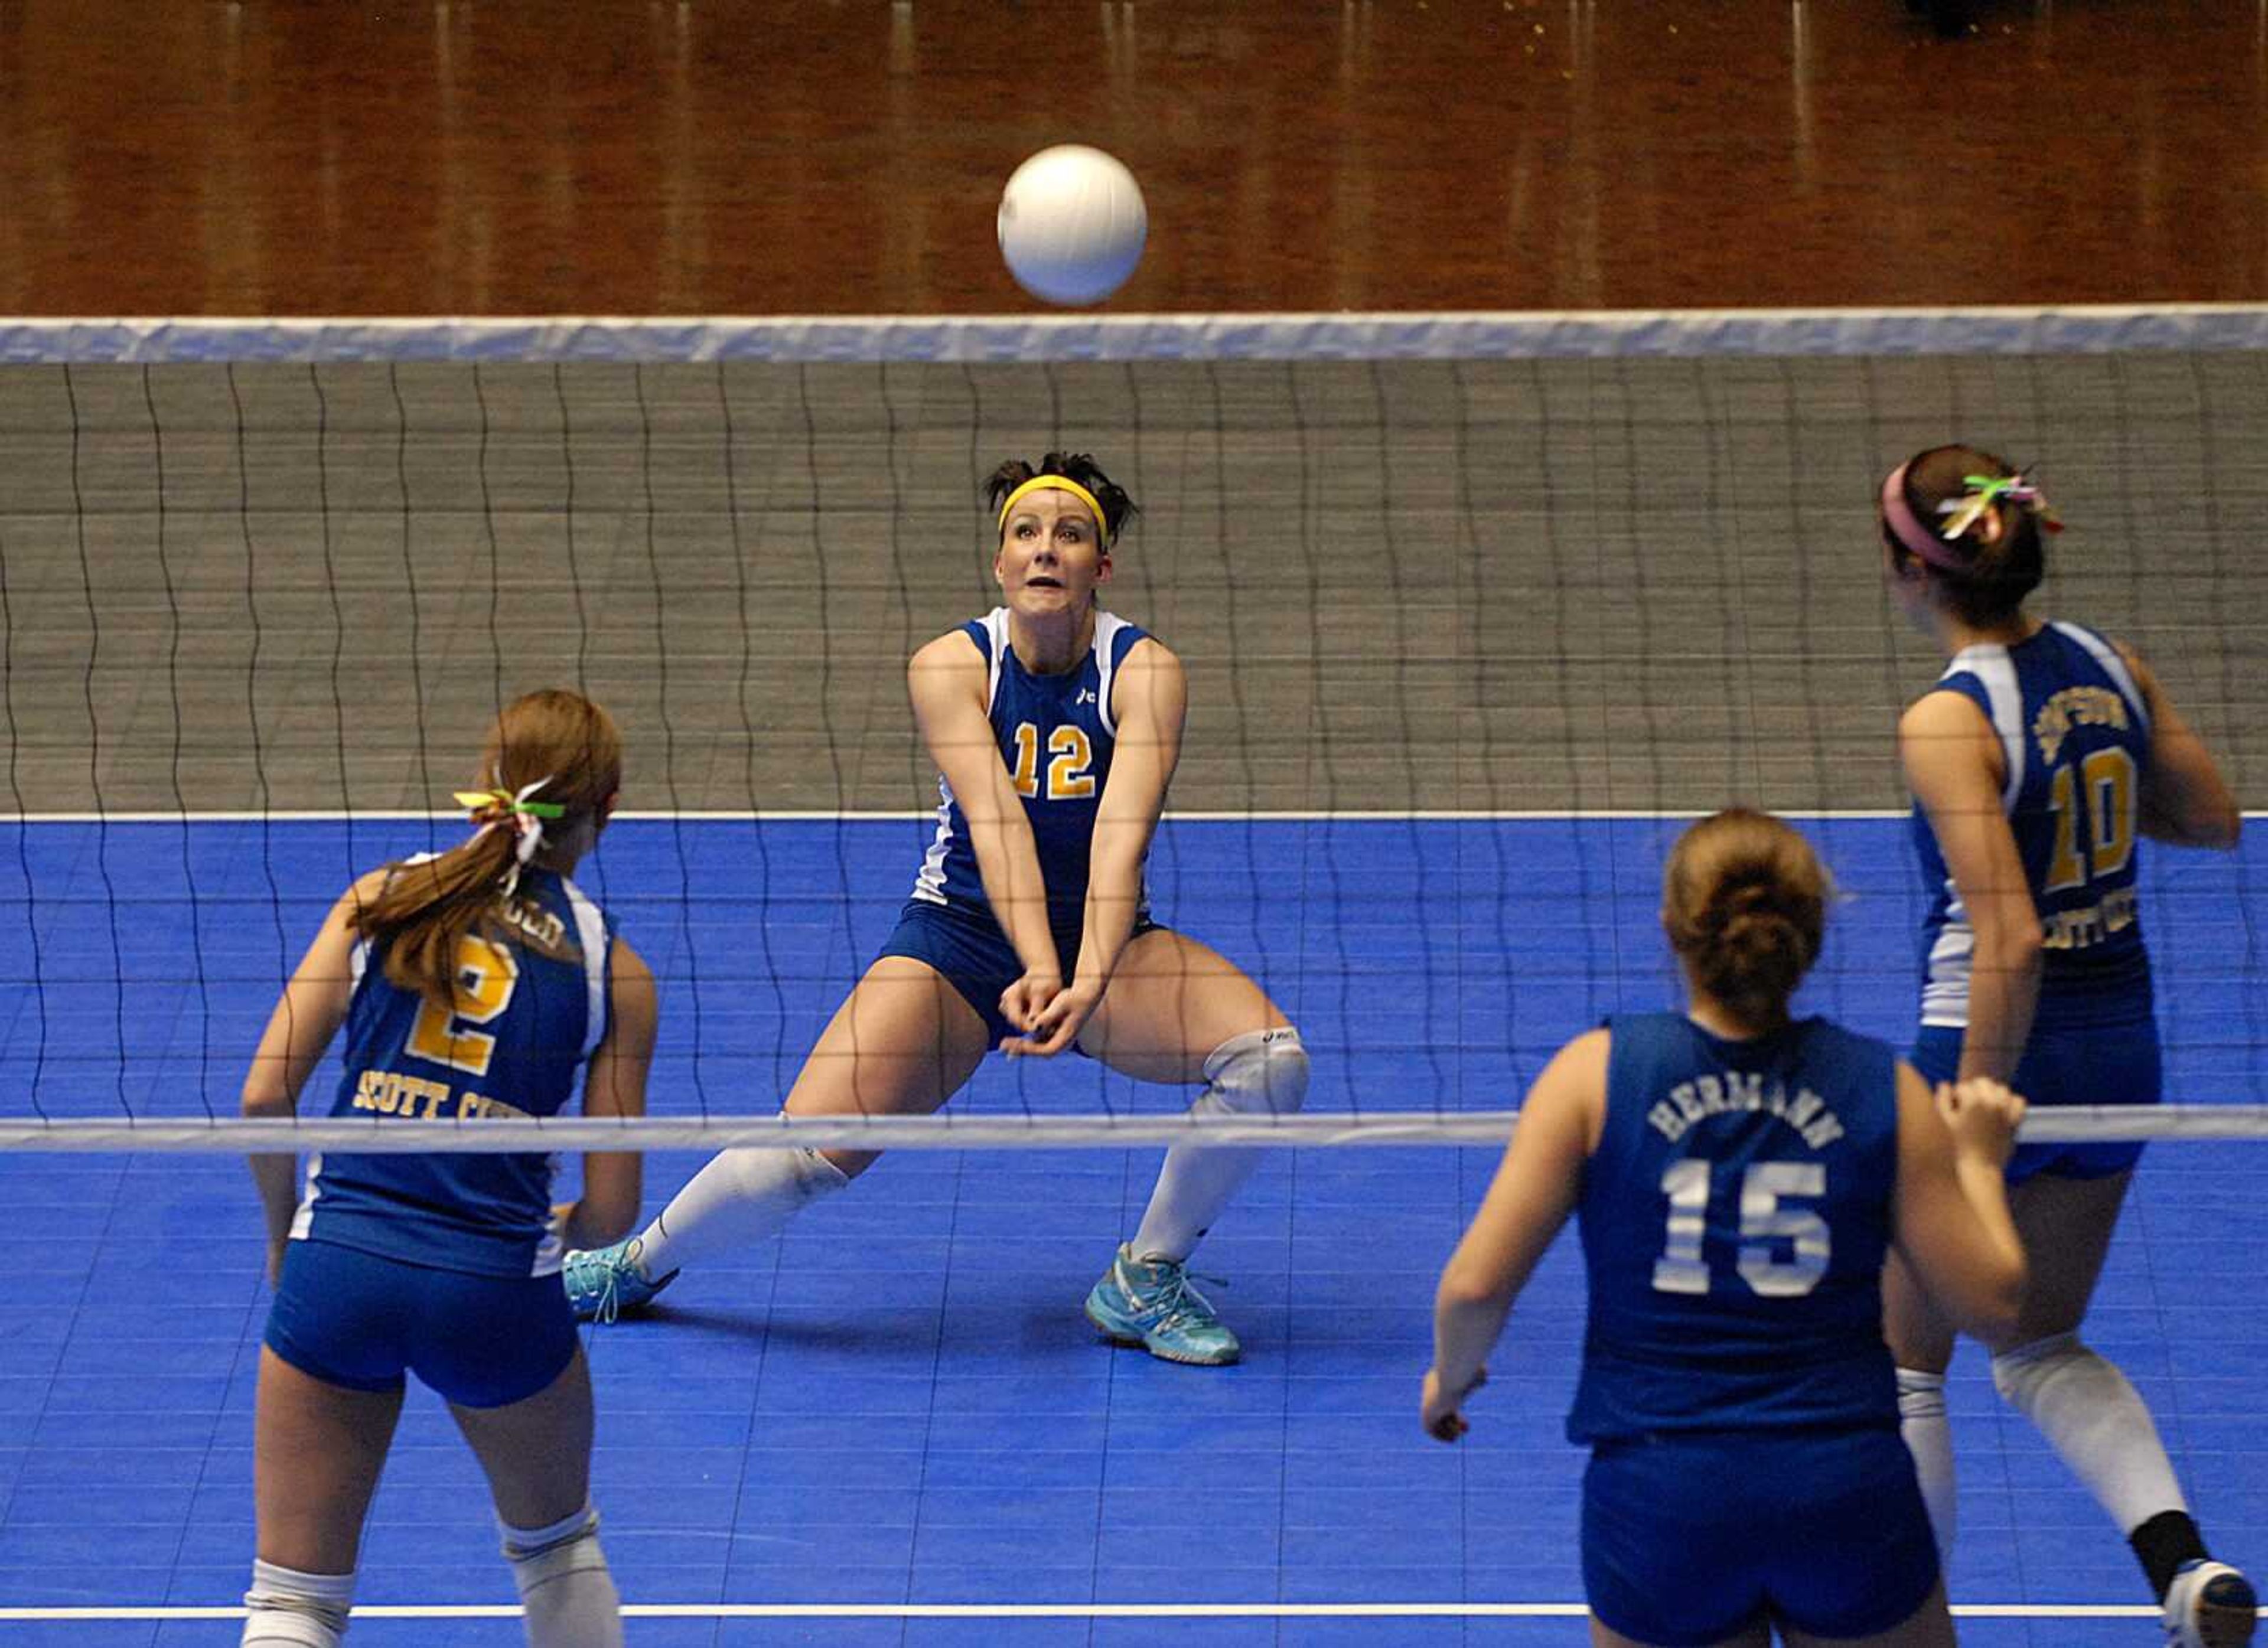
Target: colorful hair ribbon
[(492, 807)]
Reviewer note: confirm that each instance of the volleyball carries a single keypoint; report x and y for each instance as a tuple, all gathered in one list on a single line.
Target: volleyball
[(1073, 224)]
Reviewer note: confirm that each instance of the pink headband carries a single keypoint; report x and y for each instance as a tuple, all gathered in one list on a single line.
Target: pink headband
[(1907, 528)]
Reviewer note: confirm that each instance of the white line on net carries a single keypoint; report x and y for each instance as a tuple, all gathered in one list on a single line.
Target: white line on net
[(1467, 335), (496, 1136)]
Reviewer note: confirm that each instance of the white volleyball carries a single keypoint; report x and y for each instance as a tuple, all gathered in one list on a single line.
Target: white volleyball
[(1073, 224)]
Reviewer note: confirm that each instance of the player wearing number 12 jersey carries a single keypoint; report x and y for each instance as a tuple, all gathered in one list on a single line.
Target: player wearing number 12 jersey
[(2042, 754), (1740, 1176), (1055, 727)]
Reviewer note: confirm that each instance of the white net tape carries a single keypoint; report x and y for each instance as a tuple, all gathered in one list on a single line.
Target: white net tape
[(502, 1136)]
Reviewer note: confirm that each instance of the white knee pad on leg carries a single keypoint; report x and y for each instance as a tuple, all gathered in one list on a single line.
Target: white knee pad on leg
[(1920, 1396), (569, 1595), (2018, 1373), (1262, 1072), (290, 1609)]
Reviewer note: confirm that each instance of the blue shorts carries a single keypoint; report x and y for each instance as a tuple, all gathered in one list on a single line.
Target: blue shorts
[(975, 956), (2103, 1064), (361, 1321), (1694, 1536)]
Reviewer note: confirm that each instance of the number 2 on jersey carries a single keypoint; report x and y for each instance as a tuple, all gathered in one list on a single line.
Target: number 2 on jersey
[(2104, 789), (1764, 1224), (1069, 754), (487, 972)]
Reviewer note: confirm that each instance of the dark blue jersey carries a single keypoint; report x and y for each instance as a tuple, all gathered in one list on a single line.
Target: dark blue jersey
[(531, 1007), (1057, 734), (2076, 737), (1734, 1219)]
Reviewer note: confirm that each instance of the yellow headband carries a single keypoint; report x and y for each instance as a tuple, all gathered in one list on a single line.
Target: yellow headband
[(1058, 483)]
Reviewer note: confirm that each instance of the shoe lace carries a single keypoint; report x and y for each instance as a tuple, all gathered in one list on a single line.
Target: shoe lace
[(1179, 1303), (602, 1270)]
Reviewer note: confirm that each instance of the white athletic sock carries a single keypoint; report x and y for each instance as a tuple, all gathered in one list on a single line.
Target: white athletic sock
[(290, 1609), (740, 1197), (1263, 1072), (1929, 1439), (563, 1583), (2094, 1418)]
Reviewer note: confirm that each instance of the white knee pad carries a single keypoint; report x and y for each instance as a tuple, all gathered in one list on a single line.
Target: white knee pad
[(570, 1597), (290, 1609), (1262, 1072), (2018, 1373), (1920, 1396)]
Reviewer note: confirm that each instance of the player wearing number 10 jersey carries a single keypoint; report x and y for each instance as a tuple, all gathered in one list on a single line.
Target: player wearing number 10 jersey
[(2039, 756), (1740, 1176)]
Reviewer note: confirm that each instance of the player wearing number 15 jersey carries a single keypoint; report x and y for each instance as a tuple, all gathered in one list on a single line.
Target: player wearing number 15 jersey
[(2042, 754), (1055, 726), (1740, 1176)]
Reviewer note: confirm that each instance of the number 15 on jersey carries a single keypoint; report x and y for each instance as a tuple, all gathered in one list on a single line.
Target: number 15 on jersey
[(1783, 1248)]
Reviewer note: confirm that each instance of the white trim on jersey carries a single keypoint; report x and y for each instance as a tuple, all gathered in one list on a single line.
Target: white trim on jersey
[(357, 964), (1107, 626), (590, 931), (304, 1218), (996, 627), (1945, 985), (2103, 653), (1992, 666), (929, 884), (551, 1246)]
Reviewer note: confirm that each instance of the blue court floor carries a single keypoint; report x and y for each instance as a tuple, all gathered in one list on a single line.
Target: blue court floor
[(899, 1406)]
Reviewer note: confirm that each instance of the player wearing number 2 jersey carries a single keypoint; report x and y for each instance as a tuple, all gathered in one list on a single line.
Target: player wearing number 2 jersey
[(472, 984), (2039, 756), (1740, 1176), (1055, 727)]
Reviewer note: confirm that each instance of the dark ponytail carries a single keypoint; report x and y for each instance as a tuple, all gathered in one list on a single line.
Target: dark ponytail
[(1996, 557)]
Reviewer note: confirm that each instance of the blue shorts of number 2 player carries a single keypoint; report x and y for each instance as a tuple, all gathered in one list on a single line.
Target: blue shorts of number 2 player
[(362, 1321), (1690, 1537), (2091, 1064), (975, 956)]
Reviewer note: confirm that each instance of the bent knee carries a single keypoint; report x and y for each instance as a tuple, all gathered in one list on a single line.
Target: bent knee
[(1262, 1072)]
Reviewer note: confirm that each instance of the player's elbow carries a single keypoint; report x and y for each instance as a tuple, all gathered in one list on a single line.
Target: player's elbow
[(267, 1093), (2223, 828), (1467, 1286), (2013, 944)]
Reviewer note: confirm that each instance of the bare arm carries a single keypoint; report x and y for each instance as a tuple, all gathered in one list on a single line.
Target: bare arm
[(1951, 1214), (2185, 798), (299, 1031), (1955, 766), (615, 1086), (1535, 1190), (946, 678), (1150, 700)]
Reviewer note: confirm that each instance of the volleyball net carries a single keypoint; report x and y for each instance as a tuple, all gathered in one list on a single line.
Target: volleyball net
[(1476, 610)]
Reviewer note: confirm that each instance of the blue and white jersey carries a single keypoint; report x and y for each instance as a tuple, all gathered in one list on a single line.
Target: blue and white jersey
[(1734, 1219), (532, 1008), (2076, 737), (1057, 734)]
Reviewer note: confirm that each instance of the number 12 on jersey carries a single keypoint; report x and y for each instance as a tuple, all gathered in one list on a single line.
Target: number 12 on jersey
[(1783, 1250)]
